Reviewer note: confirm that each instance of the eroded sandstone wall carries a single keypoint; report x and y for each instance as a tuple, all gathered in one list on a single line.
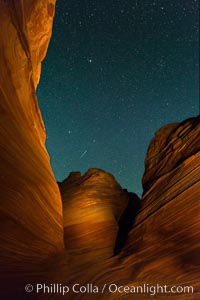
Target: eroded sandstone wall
[(31, 227)]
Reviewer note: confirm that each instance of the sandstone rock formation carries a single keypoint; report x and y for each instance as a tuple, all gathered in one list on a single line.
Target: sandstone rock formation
[(31, 228), (164, 244), (92, 206), (165, 241), (86, 241), (171, 146)]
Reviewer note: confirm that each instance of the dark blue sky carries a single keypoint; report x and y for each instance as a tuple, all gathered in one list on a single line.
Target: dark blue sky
[(115, 72)]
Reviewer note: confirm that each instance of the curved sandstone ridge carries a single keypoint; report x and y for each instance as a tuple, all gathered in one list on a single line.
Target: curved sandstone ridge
[(163, 242), (92, 206), (31, 211), (171, 145)]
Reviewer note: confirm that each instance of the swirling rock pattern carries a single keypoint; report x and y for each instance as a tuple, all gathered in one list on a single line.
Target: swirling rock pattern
[(92, 206), (164, 244), (31, 228), (171, 145)]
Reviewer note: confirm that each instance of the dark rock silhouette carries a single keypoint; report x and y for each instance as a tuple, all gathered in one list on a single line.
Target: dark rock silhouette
[(126, 221)]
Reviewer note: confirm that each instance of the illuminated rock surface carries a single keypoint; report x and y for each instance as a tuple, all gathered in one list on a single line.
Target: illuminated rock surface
[(31, 228), (92, 206), (163, 244)]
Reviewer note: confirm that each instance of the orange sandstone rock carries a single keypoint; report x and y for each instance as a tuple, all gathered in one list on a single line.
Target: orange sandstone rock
[(31, 229), (92, 206), (164, 244), (171, 145)]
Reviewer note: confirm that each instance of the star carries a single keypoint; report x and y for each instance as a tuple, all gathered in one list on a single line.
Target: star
[(118, 72)]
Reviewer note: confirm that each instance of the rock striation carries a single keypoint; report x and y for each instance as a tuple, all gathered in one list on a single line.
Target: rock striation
[(31, 228), (165, 241), (171, 146), (163, 245), (92, 206)]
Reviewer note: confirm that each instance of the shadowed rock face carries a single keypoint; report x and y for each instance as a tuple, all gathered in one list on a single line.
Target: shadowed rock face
[(106, 238), (127, 221)]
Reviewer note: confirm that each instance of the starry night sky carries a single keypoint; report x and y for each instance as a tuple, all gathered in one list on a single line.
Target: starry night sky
[(115, 72)]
